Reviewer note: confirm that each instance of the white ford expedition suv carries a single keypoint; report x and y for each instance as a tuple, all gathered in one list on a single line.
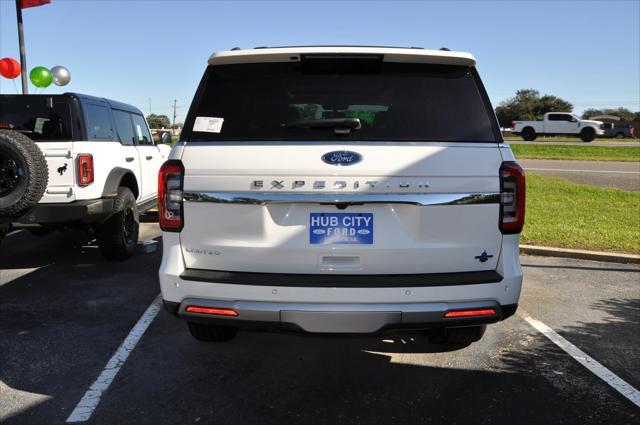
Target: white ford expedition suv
[(341, 190), (73, 160)]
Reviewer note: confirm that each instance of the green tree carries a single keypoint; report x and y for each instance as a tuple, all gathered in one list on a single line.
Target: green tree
[(527, 104), (158, 121), (621, 112)]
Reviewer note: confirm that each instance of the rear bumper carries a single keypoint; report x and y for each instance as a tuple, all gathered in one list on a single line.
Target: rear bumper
[(339, 318), (85, 211), (348, 305), (342, 280)]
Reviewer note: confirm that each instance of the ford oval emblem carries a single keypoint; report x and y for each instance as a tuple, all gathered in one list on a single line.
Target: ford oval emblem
[(341, 158)]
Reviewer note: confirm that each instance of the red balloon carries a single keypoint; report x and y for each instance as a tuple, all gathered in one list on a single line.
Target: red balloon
[(9, 68)]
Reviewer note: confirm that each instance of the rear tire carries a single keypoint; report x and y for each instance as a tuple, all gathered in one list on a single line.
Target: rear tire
[(118, 236), (529, 134), (24, 174), (209, 333), (588, 134), (620, 136), (457, 337)]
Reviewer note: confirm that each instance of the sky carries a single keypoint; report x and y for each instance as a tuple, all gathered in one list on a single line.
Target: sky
[(152, 52)]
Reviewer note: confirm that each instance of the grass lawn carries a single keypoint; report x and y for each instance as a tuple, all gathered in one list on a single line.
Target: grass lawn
[(569, 139), (595, 153), (564, 214)]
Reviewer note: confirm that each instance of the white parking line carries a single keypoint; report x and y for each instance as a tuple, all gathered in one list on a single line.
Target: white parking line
[(91, 398), (587, 361), (583, 171)]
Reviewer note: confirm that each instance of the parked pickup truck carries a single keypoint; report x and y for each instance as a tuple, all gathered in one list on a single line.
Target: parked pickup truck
[(558, 124)]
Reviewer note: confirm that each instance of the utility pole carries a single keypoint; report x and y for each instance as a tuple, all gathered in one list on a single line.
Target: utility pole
[(173, 127), (23, 55)]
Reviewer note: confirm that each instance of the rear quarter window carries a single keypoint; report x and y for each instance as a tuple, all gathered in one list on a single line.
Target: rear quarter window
[(98, 122)]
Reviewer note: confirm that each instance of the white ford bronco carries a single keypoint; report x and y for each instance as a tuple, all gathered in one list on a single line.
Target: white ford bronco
[(341, 190), (75, 160)]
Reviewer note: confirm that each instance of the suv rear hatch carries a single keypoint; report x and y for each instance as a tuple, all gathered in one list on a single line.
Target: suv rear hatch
[(341, 164), (47, 121)]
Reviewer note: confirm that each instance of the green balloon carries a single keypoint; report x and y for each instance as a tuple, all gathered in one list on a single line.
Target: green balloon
[(41, 76)]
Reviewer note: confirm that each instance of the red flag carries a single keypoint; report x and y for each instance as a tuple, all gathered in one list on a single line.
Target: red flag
[(33, 3)]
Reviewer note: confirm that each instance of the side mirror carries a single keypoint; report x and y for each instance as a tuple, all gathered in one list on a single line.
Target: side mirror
[(165, 138)]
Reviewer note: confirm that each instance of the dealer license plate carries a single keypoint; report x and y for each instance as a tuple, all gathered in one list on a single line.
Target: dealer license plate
[(341, 228)]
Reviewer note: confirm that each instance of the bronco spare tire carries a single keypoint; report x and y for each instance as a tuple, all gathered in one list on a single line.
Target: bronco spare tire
[(23, 173)]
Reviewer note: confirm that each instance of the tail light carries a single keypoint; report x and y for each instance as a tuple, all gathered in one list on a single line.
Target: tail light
[(470, 313), (513, 124), (512, 198), (212, 310), (85, 169), (170, 180)]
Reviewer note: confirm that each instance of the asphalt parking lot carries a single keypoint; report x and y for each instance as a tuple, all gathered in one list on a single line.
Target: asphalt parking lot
[(65, 311)]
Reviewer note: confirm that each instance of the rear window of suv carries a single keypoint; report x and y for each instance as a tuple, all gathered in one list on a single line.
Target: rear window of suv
[(393, 101), (39, 117)]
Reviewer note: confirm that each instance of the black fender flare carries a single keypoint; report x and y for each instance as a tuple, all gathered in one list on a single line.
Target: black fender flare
[(119, 177)]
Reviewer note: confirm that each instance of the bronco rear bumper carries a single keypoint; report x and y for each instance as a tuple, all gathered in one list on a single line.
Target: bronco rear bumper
[(339, 318), (85, 211)]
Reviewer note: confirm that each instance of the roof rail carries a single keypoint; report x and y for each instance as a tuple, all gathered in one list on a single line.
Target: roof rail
[(338, 45)]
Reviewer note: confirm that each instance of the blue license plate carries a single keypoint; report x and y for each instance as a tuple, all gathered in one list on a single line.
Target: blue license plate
[(340, 228)]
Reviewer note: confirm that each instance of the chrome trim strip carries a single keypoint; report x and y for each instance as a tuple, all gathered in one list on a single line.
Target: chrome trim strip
[(419, 199)]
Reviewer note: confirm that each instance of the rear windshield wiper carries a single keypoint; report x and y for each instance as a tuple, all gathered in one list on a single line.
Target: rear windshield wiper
[(339, 125)]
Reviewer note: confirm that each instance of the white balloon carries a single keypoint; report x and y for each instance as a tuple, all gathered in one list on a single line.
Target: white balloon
[(61, 75)]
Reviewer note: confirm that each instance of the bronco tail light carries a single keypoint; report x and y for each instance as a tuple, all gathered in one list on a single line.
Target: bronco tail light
[(212, 310), (170, 180), (85, 169), (470, 313), (513, 124), (512, 198)]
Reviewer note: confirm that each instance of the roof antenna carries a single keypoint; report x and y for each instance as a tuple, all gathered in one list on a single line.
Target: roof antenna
[(445, 49), (236, 48)]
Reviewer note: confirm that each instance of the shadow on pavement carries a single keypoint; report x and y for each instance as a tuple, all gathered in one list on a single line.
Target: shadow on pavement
[(63, 317), (514, 375), (61, 323)]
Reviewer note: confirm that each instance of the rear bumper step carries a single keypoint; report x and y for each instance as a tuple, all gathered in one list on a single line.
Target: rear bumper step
[(339, 318), (83, 211), (344, 280)]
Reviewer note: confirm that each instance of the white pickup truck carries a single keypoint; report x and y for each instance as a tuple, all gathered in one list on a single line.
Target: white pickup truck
[(558, 124)]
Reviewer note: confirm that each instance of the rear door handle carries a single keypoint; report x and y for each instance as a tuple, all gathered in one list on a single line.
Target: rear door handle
[(129, 158), (149, 158)]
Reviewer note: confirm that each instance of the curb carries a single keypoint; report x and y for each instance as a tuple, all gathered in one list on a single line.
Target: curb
[(580, 254)]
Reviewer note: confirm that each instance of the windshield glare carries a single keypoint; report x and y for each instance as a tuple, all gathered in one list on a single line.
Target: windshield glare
[(393, 101)]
